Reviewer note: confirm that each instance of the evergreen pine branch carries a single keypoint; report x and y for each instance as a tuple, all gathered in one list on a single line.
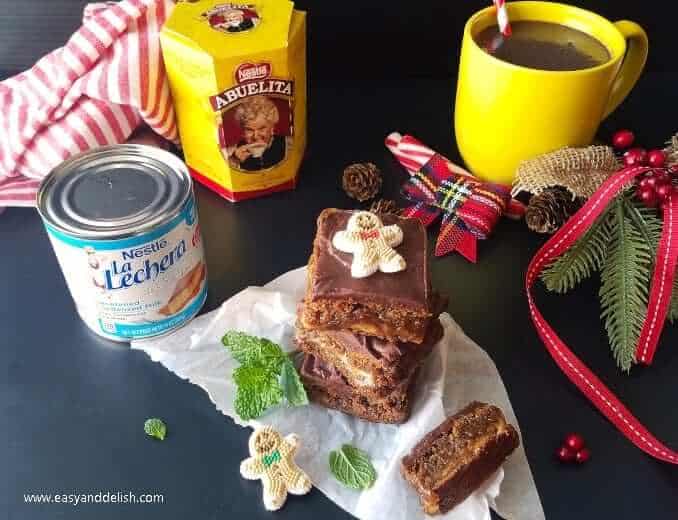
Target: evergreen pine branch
[(648, 223), (625, 277), (673, 310), (645, 221), (585, 257)]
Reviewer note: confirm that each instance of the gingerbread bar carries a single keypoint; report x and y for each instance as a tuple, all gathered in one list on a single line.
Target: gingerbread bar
[(326, 386), (396, 306), (372, 365), (453, 460)]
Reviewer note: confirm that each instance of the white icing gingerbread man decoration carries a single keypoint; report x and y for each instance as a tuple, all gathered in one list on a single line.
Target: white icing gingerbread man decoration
[(272, 461), (371, 244)]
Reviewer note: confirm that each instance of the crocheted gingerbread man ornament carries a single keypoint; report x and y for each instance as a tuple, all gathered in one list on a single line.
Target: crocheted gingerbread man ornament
[(272, 461), (371, 244)]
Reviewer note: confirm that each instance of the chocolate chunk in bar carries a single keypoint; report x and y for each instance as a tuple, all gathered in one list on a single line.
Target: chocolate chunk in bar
[(372, 365), (453, 460), (393, 306), (326, 386)]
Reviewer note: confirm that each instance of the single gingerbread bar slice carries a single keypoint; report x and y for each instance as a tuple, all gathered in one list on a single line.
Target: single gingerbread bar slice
[(393, 306), (326, 386), (371, 365), (453, 460)]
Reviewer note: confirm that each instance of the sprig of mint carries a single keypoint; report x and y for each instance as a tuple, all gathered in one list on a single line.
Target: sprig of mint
[(266, 375), (352, 467), (250, 350), (154, 427), (258, 390), (294, 391)]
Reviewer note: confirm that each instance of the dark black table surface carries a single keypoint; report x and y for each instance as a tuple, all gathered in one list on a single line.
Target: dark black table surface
[(72, 405)]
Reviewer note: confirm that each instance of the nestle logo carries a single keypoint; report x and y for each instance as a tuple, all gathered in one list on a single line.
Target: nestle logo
[(251, 71)]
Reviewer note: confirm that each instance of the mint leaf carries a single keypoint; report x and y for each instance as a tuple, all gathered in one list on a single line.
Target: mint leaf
[(352, 467), (155, 428), (265, 376), (248, 350), (258, 390), (254, 376), (292, 388)]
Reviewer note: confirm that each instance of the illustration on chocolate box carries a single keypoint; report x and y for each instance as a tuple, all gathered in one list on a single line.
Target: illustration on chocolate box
[(255, 119), (232, 18)]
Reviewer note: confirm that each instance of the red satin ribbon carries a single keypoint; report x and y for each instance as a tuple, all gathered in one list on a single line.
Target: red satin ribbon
[(661, 289), (659, 300)]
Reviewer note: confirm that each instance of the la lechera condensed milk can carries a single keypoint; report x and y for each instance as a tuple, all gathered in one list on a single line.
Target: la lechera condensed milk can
[(123, 223)]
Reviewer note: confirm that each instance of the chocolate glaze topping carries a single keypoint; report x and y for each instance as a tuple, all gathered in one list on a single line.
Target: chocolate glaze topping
[(332, 274)]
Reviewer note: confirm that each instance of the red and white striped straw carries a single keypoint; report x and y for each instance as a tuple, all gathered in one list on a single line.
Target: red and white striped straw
[(502, 17), (411, 153)]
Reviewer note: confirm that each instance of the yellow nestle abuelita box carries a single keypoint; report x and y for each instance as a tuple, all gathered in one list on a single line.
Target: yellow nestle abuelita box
[(238, 78)]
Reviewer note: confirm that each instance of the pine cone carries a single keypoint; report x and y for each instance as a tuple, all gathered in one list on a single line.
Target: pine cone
[(362, 181), (384, 207), (550, 209)]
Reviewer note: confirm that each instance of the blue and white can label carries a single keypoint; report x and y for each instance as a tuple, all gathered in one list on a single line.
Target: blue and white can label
[(140, 286)]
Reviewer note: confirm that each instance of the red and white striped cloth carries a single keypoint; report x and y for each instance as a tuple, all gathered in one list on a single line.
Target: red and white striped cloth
[(94, 91)]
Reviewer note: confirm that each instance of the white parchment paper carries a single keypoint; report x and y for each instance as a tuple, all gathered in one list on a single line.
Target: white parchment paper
[(458, 371)]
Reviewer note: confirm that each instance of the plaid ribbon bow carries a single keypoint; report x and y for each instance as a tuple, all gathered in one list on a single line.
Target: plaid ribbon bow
[(470, 208)]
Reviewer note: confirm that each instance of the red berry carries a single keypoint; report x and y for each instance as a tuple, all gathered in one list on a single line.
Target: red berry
[(565, 454), (656, 158), (650, 181), (623, 139), (582, 456), (663, 177), (647, 196), (663, 191), (635, 157), (574, 441), (645, 182)]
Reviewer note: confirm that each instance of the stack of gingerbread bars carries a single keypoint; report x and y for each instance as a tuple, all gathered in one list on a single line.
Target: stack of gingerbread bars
[(369, 318)]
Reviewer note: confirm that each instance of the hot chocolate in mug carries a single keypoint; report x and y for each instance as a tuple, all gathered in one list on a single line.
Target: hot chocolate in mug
[(506, 113)]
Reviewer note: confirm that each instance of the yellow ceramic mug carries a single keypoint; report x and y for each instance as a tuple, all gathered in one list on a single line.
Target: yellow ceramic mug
[(506, 113)]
